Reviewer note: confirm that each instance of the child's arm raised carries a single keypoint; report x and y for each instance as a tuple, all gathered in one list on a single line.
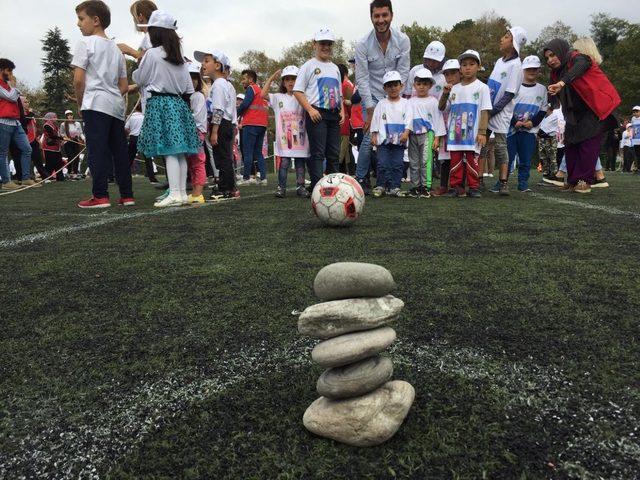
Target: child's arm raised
[(267, 84)]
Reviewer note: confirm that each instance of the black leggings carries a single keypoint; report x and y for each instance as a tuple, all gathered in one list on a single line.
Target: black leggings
[(53, 161)]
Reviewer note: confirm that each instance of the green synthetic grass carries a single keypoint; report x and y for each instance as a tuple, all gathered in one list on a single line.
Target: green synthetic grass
[(163, 345)]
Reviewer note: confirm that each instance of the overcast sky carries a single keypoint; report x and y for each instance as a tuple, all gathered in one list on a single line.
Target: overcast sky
[(237, 26)]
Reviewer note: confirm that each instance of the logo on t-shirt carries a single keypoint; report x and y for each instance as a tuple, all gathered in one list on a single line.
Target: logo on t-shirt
[(453, 97), (280, 105), (317, 71), (384, 116), (476, 95), (503, 75), (438, 88)]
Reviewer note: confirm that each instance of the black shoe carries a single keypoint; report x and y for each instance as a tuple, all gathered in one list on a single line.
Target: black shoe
[(453, 193), (281, 192), (414, 192), (424, 192), (302, 192), (474, 193)]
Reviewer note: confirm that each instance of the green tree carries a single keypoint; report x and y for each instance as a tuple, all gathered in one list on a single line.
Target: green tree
[(56, 68), (623, 69), (558, 29), (607, 31), (421, 37)]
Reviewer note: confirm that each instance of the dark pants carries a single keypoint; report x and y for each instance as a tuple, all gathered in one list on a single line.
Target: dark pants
[(324, 143), (444, 173), (223, 155), (581, 160), (636, 154), (107, 152), (71, 150), (53, 162), (36, 158), (611, 151), (627, 158), (390, 165), (252, 141)]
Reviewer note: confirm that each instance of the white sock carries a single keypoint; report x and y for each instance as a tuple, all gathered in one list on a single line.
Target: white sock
[(173, 175), (183, 175)]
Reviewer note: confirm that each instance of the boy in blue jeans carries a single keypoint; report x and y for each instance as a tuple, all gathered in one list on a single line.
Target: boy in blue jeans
[(390, 127)]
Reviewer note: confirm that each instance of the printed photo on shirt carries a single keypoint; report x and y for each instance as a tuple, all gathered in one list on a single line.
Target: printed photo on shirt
[(329, 92), (462, 120)]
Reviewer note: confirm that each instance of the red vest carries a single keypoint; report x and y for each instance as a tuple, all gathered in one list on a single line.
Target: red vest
[(31, 130), (8, 109), (257, 114), (595, 89)]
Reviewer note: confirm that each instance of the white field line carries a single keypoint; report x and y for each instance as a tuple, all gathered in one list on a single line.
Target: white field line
[(588, 206), (51, 446), (56, 232)]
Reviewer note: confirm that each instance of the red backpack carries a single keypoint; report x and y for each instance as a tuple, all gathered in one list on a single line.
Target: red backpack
[(595, 88)]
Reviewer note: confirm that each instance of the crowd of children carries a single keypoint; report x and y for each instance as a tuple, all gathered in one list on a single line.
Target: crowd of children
[(190, 115)]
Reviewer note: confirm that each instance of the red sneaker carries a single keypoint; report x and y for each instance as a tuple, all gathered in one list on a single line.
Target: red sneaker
[(127, 202), (94, 202)]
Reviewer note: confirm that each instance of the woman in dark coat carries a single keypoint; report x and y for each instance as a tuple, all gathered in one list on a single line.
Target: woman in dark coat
[(584, 129)]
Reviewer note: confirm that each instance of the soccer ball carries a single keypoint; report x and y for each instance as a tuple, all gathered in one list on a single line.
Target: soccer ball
[(337, 200)]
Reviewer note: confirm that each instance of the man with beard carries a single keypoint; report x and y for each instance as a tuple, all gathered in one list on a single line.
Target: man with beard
[(383, 50)]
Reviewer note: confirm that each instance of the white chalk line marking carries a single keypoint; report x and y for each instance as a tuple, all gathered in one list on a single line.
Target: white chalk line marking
[(54, 448), (49, 234), (588, 206)]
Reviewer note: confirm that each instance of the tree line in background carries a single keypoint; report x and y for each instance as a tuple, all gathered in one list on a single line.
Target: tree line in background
[(617, 39)]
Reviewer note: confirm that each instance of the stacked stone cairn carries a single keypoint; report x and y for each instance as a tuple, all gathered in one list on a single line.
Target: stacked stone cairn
[(360, 405)]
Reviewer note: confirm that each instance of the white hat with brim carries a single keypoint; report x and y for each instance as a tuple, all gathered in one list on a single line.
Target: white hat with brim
[(532, 61), (161, 19), (240, 96), (519, 35), (324, 35), (193, 67), (424, 74), (391, 76), (67, 112), (216, 54), (452, 64), (290, 71), (635, 108), (435, 51), (470, 54)]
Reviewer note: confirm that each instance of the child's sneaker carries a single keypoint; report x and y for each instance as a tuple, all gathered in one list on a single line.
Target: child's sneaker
[(395, 192), (126, 202), (94, 202), (440, 191), (504, 189), (414, 192), (163, 196), (378, 192), (453, 193), (169, 201), (496, 187), (280, 192), (262, 183), (302, 192), (199, 199), (425, 193), (582, 187), (473, 193)]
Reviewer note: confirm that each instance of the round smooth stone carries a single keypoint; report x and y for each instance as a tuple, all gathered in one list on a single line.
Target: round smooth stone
[(352, 280), (352, 347), (355, 379)]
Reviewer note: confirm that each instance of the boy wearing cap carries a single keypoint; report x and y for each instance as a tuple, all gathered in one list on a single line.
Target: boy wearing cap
[(451, 72), (530, 109), (71, 131), (100, 81), (470, 106), (504, 84), (222, 108), (433, 60), (635, 141), (424, 140), (318, 89), (390, 128)]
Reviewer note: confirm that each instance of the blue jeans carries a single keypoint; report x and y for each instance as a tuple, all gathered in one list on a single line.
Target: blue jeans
[(522, 144), (15, 134), (252, 140), (285, 163), (390, 166), (365, 151)]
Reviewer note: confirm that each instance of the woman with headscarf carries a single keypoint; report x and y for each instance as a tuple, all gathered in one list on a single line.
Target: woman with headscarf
[(588, 99)]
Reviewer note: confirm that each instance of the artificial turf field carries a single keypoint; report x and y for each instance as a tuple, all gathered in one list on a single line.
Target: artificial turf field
[(146, 344)]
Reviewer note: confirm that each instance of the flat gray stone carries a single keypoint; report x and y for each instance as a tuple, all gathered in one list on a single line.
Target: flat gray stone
[(355, 379), (330, 319), (362, 421), (352, 280), (352, 347)]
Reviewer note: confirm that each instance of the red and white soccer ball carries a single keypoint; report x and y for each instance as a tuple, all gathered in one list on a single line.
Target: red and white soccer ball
[(337, 200)]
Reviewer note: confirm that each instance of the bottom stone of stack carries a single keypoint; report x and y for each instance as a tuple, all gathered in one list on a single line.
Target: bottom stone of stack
[(364, 421)]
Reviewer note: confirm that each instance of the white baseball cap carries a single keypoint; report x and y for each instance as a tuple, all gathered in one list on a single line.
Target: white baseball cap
[(424, 74), (217, 54), (452, 64), (290, 71), (193, 67), (391, 76), (324, 35), (67, 112), (435, 51), (161, 19), (240, 96), (519, 35), (637, 107), (532, 61), (470, 54)]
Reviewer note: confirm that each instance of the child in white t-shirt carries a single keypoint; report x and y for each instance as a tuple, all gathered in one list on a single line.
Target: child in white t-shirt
[(529, 111), (141, 11), (318, 89), (504, 84), (424, 140), (100, 81), (451, 72), (196, 163), (468, 119), (635, 140), (291, 142), (390, 127)]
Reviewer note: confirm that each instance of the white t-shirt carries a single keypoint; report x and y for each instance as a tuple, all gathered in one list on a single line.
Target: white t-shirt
[(155, 74), (528, 103), (134, 124), (291, 134), (635, 124), (426, 116), (467, 104), (146, 42), (321, 83), (561, 125), (232, 92), (221, 98), (104, 65), (443, 153), (626, 138), (438, 83), (199, 111), (391, 119), (506, 77), (549, 124), (75, 130)]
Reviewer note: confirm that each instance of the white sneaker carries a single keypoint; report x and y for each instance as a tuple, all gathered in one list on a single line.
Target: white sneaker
[(169, 201), (242, 183), (185, 198), (263, 183), (378, 192)]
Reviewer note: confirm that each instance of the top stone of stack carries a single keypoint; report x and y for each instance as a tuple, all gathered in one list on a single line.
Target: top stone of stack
[(352, 280)]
